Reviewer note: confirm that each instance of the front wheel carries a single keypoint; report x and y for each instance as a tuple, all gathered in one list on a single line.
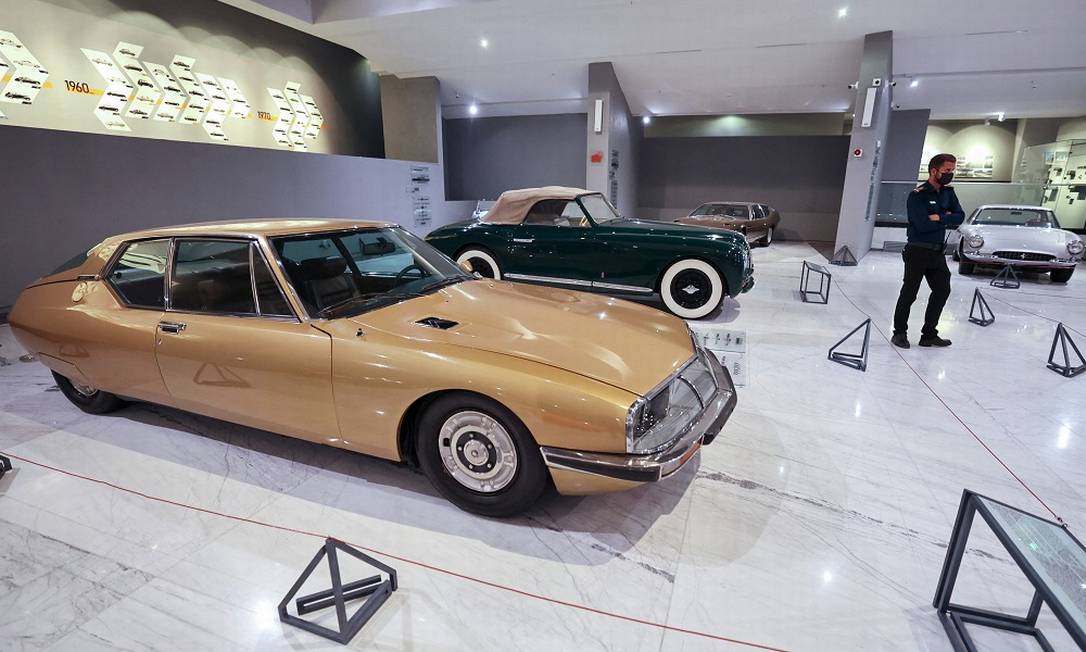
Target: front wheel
[(691, 288), (1062, 275), (88, 399), (767, 239), (480, 456), (965, 268)]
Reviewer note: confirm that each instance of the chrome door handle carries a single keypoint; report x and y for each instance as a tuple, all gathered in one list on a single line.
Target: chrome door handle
[(525, 240), (170, 327)]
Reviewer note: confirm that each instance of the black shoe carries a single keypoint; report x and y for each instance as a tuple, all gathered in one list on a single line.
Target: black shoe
[(933, 340), (900, 339)]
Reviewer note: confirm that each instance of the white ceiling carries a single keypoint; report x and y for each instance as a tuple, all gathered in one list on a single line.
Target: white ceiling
[(673, 57)]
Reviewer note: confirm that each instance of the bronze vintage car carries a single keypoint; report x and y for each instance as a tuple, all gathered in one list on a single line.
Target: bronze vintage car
[(362, 336), (755, 221)]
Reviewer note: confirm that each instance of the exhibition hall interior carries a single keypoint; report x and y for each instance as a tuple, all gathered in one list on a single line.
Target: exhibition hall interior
[(589, 325)]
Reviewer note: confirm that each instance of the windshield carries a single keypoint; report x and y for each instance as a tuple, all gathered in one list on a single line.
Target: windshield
[(1016, 217), (599, 209), (722, 210), (344, 273)]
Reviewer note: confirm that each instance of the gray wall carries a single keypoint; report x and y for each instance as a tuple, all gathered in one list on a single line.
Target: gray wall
[(616, 176), (411, 111), (484, 157), (65, 191), (904, 144), (800, 176), (768, 124)]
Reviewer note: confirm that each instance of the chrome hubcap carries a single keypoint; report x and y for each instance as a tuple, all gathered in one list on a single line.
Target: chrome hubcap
[(477, 451), (85, 391), (690, 289)]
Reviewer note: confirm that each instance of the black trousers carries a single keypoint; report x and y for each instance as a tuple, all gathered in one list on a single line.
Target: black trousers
[(922, 264)]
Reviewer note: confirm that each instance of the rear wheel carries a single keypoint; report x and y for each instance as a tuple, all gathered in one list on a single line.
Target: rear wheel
[(87, 398), (691, 288), (482, 262), (480, 456), (767, 239), (1062, 275)]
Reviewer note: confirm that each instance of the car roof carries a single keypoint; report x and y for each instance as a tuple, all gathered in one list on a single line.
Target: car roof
[(741, 203), (513, 205), (1024, 207), (253, 228)]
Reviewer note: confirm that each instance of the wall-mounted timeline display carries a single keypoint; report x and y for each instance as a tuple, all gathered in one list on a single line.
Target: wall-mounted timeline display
[(127, 78), (25, 75)]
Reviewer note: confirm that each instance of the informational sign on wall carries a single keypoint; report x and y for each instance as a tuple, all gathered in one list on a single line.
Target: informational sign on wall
[(124, 77)]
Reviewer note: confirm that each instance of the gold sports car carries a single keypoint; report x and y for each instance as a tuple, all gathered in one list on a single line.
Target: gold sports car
[(362, 336)]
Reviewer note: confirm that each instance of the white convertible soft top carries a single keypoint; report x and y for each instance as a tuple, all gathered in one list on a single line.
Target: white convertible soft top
[(513, 205)]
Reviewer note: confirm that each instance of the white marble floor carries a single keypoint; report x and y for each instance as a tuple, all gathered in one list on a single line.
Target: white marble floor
[(818, 520)]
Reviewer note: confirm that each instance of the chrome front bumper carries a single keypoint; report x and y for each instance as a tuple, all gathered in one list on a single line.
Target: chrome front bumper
[(654, 466), (991, 259)]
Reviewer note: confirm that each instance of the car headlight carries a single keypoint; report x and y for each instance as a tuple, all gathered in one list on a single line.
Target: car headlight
[(974, 241), (1076, 247), (666, 413)]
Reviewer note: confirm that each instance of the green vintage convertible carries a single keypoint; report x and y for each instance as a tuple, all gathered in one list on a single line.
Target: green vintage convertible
[(575, 238)]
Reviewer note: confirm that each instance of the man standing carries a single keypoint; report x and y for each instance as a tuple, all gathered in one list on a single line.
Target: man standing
[(933, 208)]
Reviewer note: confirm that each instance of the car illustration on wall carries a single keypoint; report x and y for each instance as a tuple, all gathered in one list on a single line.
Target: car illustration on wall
[(361, 336), (756, 222), (1024, 237), (572, 237)]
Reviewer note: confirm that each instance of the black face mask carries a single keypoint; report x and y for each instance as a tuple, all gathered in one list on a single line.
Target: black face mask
[(945, 178)]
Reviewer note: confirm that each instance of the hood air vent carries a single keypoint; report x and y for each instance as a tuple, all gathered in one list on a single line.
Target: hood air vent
[(437, 322)]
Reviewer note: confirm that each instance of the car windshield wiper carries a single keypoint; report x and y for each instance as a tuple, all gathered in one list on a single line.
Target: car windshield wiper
[(452, 280)]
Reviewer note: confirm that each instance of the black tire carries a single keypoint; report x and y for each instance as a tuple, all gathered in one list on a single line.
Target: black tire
[(527, 480), (692, 288), (957, 256), (1062, 275), (767, 239), (93, 402), (966, 269), (483, 261)]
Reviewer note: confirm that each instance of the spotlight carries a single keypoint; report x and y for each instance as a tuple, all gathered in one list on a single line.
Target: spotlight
[(914, 83), (645, 119), (1000, 116), (483, 43), (842, 12), (473, 109)]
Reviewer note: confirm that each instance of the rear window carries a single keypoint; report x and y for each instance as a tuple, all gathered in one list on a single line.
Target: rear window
[(73, 262)]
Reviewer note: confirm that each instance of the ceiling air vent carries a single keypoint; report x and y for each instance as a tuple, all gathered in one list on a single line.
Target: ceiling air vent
[(437, 322)]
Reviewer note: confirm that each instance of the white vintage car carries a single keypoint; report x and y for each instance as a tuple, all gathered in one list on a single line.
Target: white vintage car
[(1024, 237)]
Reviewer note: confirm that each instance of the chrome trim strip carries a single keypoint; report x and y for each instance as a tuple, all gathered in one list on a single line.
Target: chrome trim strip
[(548, 279), (644, 468), (252, 278), (621, 288)]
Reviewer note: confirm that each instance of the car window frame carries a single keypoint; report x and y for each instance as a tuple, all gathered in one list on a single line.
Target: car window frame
[(251, 242), (575, 201), (592, 223), (115, 258)]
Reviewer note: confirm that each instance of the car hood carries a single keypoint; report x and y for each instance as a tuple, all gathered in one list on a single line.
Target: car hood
[(1024, 238), (623, 344)]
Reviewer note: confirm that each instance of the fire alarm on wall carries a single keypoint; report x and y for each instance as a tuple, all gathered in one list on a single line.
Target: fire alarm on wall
[(597, 157), (858, 152)]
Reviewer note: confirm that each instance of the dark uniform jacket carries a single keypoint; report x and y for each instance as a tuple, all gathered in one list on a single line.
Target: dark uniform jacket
[(926, 200)]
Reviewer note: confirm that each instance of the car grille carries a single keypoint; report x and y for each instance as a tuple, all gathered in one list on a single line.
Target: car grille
[(1025, 255)]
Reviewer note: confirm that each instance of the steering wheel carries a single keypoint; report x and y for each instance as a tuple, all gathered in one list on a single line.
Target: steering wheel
[(405, 270)]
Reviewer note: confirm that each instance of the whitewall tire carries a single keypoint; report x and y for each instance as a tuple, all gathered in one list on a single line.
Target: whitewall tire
[(482, 262), (691, 288)]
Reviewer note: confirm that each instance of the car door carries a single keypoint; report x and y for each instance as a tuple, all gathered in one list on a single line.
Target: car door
[(555, 244), (115, 345), (230, 346)]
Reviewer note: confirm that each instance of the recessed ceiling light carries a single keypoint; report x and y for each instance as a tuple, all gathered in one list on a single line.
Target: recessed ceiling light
[(914, 83), (842, 12), (645, 119), (473, 109), (1000, 116), (483, 43)]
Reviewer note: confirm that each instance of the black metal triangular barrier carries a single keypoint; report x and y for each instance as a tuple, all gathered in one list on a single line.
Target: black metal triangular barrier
[(980, 313), (1068, 369), (5, 465), (854, 360), (843, 257), (1007, 278), (374, 589), (824, 279)]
